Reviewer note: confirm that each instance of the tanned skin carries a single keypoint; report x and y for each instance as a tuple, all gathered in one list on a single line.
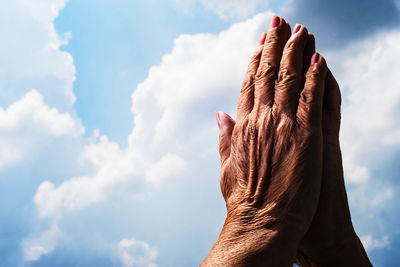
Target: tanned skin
[(281, 167)]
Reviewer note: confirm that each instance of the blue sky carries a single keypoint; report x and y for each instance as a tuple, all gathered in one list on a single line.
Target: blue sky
[(108, 141)]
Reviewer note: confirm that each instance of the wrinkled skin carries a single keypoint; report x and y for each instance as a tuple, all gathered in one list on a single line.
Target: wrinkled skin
[(276, 145), (271, 157), (281, 172)]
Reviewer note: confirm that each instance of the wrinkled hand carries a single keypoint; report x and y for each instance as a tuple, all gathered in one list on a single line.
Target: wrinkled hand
[(271, 158)]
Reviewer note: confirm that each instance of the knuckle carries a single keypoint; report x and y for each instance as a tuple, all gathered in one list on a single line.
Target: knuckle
[(310, 98), (248, 82), (287, 76), (273, 37), (316, 72), (258, 52), (291, 46), (309, 115), (266, 69)]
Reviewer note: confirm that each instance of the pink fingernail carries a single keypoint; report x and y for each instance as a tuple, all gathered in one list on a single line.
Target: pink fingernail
[(262, 40), (218, 119), (296, 28), (314, 58), (275, 21)]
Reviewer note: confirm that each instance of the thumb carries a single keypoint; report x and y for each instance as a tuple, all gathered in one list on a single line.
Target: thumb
[(225, 124)]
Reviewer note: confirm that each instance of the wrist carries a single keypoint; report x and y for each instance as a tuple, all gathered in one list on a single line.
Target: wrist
[(242, 244)]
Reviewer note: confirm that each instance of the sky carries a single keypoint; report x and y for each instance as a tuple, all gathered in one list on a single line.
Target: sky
[(108, 139)]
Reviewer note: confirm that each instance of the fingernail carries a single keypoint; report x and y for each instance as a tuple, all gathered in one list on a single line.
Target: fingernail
[(262, 39), (314, 58), (296, 28), (275, 22), (218, 119)]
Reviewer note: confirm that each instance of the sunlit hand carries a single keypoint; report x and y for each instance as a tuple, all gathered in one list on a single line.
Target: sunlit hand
[(271, 157)]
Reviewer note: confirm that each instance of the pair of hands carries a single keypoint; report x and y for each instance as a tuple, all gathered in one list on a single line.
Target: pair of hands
[(281, 166)]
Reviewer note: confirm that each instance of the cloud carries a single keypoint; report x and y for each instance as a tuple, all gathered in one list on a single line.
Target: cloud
[(25, 124), (368, 76), (134, 253), (112, 166), (164, 168), (31, 109), (35, 247), (40, 135), (337, 23), (31, 56)]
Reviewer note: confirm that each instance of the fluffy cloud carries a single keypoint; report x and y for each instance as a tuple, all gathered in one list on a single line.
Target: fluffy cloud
[(35, 247), (368, 76), (27, 123), (166, 166), (31, 109), (31, 56), (134, 253), (38, 128)]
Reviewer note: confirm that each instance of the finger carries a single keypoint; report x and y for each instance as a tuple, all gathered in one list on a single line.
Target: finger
[(290, 77), (309, 50), (309, 112), (225, 124), (331, 107), (246, 98), (262, 39), (267, 72)]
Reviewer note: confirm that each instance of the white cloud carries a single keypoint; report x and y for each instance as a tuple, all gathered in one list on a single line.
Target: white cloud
[(202, 71), (134, 253), (31, 109), (27, 123), (113, 166), (37, 126), (46, 242), (165, 167), (371, 243), (31, 58), (30, 53)]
